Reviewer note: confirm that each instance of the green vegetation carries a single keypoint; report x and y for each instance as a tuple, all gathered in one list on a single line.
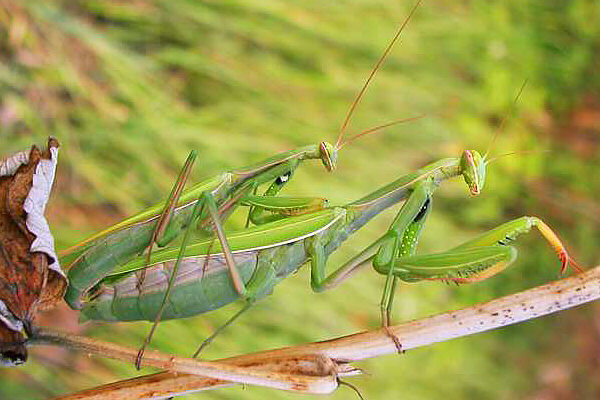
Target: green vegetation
[(129, 88)]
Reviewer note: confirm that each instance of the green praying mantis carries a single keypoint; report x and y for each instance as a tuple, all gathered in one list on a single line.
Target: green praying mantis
[(217, 197), (267, 253), (94, 258), (110, 281)]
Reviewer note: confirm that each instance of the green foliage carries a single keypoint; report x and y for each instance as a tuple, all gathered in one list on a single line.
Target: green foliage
[(130, 87)]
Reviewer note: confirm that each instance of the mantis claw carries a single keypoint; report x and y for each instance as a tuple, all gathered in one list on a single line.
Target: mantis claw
[(560, 249), (566, 260)]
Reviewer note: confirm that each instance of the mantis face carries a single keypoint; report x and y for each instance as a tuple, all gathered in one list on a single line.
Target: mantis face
[(472, 166), (328, 155)]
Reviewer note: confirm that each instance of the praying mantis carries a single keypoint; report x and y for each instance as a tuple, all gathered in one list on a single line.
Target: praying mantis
[(267, 253), (356, 315), (133, 235), (249, 263)]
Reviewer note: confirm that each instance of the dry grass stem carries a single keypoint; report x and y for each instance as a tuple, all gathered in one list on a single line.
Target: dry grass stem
[(518, 307)]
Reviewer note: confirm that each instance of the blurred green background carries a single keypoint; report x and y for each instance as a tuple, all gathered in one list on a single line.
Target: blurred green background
[(130, 87)]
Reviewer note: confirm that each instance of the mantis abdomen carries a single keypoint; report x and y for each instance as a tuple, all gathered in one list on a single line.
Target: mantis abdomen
[(203, 283)]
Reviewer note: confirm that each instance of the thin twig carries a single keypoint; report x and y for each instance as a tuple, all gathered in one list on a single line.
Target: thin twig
[(522, 306), (308, 374)]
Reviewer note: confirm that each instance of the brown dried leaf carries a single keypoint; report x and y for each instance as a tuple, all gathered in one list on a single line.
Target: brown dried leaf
[(12, 347), (30, 278)]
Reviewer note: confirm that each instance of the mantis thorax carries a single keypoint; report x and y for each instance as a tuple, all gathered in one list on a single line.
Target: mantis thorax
[(472, 167)]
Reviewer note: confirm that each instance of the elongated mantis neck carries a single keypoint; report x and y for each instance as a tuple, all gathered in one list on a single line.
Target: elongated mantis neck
[(374, 203), (322, 151)]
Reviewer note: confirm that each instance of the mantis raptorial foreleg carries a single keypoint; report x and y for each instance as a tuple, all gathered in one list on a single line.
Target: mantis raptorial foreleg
[(472, 261), (268, 209), (401, 238), (479, 258)]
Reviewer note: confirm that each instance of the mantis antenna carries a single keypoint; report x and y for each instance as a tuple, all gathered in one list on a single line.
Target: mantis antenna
[(380, 61), (503, 123), (512, 153), (378, 128)]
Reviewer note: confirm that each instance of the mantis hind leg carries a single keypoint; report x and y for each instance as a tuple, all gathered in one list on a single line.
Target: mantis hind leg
[(162, 227), (260, 284), (221, 328), (197, 211), (205, 200)]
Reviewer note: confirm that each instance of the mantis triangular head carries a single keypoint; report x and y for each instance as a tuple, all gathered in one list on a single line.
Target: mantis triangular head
[(472, 167), (329, 155)]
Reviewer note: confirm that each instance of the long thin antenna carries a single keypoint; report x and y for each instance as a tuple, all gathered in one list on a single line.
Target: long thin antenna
[(508, 113), (512, 153), (372, 74), (378, 128)]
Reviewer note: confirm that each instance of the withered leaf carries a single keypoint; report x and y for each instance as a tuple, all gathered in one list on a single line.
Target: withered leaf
[(12, 347), (30, 277)]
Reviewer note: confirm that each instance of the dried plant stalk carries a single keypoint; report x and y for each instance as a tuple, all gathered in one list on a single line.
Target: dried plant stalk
[(306, 373), (522, 306)]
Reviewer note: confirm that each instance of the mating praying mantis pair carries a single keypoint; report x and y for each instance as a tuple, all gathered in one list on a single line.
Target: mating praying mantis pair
[(110, 280)]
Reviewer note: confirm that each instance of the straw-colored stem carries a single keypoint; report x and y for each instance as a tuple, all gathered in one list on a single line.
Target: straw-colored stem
[(309, 374), (522, 306)]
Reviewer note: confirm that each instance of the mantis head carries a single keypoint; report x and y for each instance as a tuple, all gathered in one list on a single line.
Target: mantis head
[(472, 166), (329, 155)]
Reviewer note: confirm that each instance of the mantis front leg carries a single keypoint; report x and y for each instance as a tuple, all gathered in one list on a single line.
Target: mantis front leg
[(479, 258), (268, 208), (401, 240)]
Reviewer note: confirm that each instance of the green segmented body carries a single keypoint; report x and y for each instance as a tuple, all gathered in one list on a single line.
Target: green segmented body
[(97, 256), (203, 285), (268, 253), (265, 255)]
